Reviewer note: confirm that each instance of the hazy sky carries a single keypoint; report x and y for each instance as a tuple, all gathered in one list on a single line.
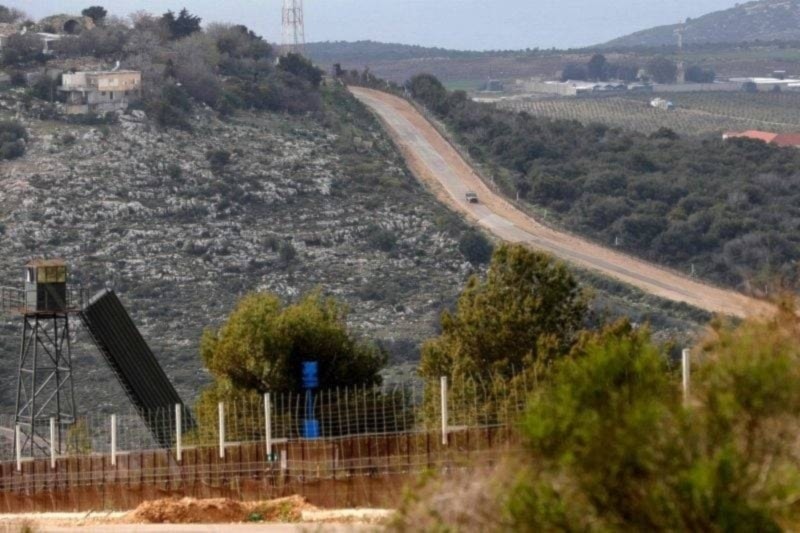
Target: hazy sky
[(463, 24)]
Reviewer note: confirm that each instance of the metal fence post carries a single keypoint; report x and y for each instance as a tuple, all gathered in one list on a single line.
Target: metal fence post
[(178, 432), (18, 446), (52, 443), (268, 425), (221, 408), (113, 440), (686, 368), (444, 409)]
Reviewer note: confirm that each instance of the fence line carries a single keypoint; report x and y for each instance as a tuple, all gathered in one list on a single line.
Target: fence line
[(284, 417), (358, 471)]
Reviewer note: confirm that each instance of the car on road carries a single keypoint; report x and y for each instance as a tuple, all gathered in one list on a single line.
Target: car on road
[(472, 197)]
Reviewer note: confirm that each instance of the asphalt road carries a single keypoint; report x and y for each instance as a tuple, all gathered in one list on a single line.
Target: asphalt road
[(435, 162)]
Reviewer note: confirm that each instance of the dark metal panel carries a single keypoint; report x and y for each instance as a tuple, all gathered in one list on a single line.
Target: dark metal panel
[(134, 364)]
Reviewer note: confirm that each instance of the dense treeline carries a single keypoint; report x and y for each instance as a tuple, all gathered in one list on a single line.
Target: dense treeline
[(727, 210)]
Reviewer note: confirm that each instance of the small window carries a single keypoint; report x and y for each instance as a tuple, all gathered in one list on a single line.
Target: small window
[(29, 275)]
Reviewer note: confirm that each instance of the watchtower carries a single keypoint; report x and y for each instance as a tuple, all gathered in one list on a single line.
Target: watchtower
[(45, 406)]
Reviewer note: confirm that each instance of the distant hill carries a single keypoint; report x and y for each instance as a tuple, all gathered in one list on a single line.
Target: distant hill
[(328, 53), (764, 20)]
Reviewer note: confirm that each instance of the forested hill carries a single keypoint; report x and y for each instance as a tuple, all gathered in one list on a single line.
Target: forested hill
[(365, 52), (725, 211), (764, 20)]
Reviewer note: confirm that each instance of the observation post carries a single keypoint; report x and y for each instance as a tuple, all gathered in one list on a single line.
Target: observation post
[(45, 402)]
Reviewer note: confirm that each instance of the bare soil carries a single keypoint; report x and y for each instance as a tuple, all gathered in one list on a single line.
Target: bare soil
[(218, 511)]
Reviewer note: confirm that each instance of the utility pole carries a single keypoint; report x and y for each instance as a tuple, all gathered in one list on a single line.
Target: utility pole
[(294, 32), (679, 31)]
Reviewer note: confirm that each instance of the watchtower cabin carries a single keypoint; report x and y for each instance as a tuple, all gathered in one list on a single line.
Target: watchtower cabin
[(46, 287)]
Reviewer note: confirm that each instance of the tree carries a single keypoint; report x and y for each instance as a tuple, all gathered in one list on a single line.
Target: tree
[(697, 74), (574, 72), (527, 311), (263, 344), (597, 68), (612, 447), (302, 68), (12, 140), (96, 13), (475, 247), (181, 26), (10, 15), (429, 90), (662, 70), (21, 49)]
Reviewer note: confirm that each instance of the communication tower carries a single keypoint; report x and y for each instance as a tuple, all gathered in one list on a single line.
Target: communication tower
[(294, 33)]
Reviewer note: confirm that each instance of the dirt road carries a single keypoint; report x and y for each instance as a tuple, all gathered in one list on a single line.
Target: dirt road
[(441, 168)]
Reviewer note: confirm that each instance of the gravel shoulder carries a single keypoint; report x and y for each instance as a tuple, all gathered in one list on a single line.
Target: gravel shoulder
[(440, 167)]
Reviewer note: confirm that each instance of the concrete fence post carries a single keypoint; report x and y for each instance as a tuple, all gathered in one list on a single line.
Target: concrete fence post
[(52, 443), (178, 432), (443, 390), (113, 440), (686, 371), (18, 446), (221, 408), (268, 425)]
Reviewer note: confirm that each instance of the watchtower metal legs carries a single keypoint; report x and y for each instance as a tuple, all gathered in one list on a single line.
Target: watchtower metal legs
[(44, 384)]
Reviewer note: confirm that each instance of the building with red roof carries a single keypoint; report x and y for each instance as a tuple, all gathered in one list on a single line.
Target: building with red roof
[(778, 139)]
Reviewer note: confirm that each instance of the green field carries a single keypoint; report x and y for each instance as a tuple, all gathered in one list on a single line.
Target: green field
[(695, 113)]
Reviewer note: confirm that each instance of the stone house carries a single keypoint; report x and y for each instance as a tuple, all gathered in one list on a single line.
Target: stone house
[(101, 91)]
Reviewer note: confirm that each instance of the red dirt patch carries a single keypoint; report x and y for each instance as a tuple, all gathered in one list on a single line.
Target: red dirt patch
[(218, 511)]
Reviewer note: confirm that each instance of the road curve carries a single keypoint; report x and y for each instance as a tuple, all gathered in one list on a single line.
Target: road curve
[(435, 162)]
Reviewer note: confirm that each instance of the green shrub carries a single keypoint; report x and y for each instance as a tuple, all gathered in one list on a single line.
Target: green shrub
[(475, 247), (12, 140), (381, 239)]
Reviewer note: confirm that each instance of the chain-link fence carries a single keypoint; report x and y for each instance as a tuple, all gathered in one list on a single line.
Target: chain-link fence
[(439, 405)]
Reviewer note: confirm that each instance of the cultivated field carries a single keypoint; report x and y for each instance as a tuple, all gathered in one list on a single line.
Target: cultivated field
[(695, 113)]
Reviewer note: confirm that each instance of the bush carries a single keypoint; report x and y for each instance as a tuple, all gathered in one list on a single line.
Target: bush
[(302, 68), (171, 108), (475, 247), (22, 49), (613, 447), (218, 159), (381, 239), (12, 140)]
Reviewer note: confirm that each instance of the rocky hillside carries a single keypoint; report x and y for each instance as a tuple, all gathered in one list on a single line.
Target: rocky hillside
[(181, 232), (764, 20), (301, 204)]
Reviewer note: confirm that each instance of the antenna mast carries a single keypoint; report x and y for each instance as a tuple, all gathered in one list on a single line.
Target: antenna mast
[(294, 33), (679, 31)]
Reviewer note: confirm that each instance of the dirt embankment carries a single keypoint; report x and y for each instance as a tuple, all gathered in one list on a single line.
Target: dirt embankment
[(218, 511)]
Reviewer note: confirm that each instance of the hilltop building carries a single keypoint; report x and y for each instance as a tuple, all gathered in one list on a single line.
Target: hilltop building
[(101, 92)]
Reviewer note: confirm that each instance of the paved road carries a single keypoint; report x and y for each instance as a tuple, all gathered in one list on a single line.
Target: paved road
[(437, 164)]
